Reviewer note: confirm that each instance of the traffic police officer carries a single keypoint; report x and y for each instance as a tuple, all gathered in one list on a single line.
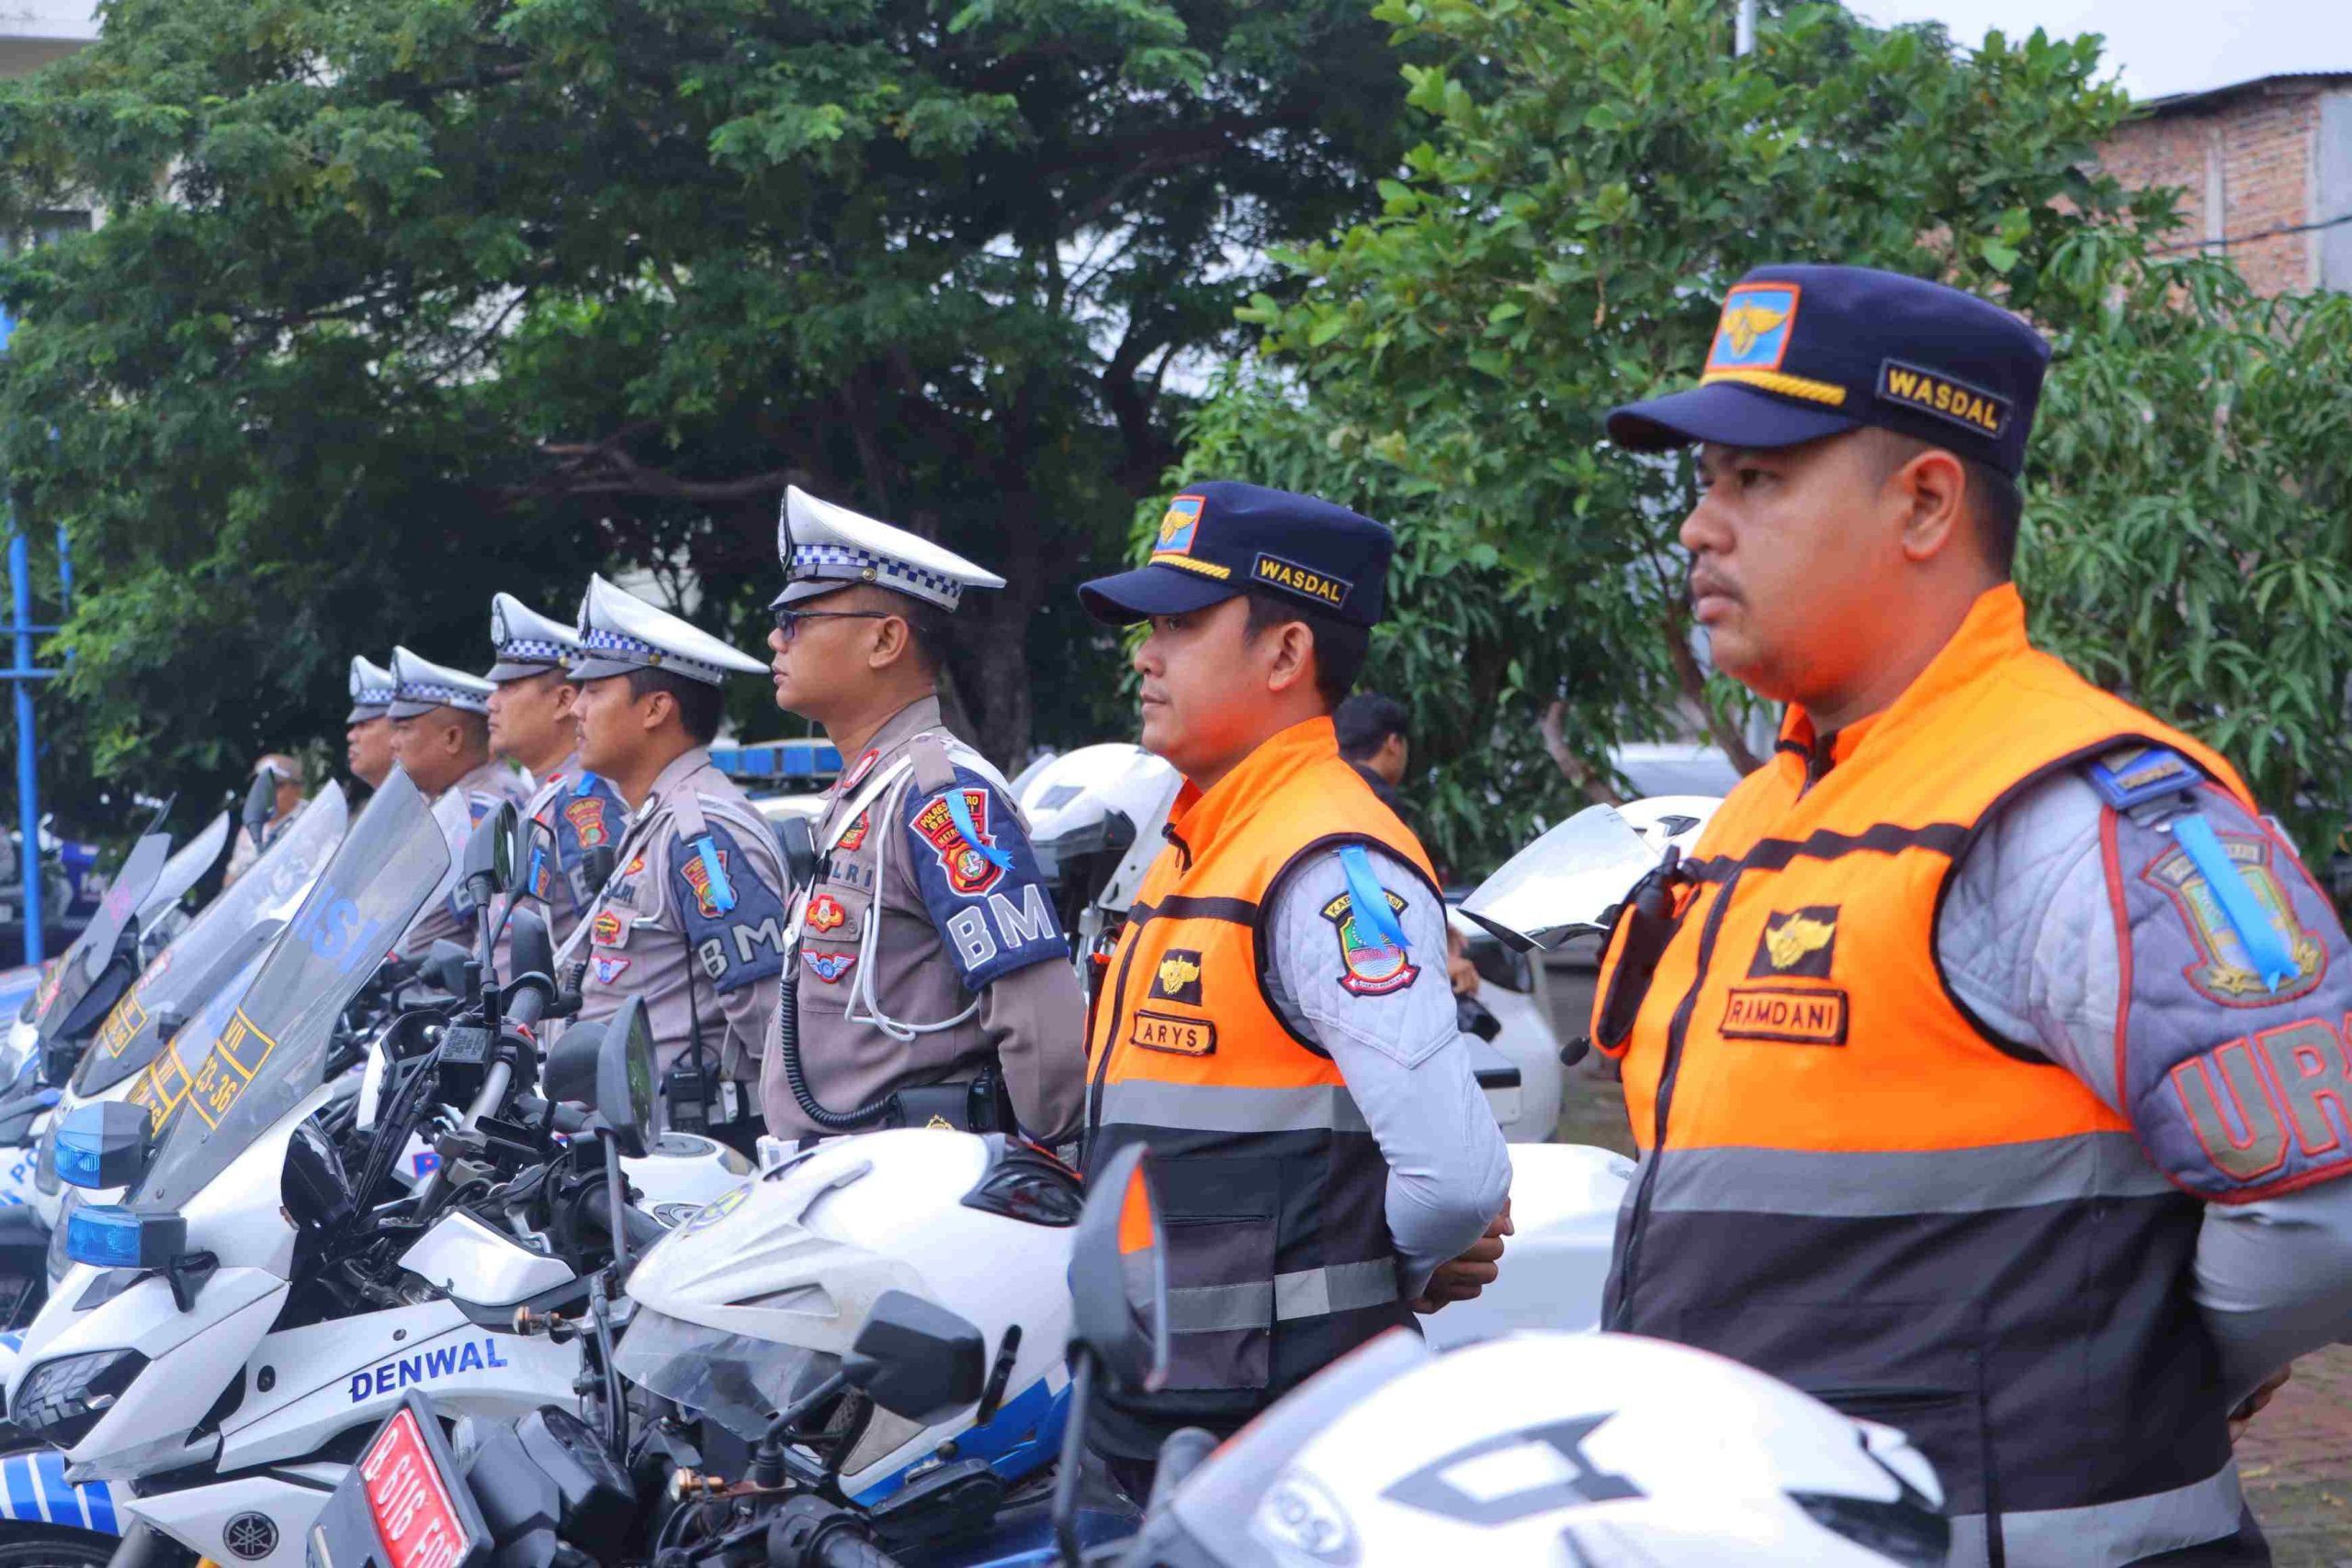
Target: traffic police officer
[(533, 724), (1987, 1057), (1276, 1023), (691, 919), (368, 733), (929, 960), (441, 738)]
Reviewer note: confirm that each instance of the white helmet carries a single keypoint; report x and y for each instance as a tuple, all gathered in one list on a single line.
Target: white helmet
[(1094, 818), (1599, 1450), (755, 1301), (1676, 819)]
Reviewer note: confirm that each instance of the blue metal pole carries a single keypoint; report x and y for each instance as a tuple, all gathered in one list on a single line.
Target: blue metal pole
[(20, 596), (64, 576)]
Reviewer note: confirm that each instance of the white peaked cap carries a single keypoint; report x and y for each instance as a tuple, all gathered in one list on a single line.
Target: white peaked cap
[(619, 632), (824, 547), (371, 691), (419, 686), (527, 642)]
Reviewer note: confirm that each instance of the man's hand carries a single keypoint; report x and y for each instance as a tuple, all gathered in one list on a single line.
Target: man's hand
[(1466, 1276), (1459, 972), (2255, 1400)]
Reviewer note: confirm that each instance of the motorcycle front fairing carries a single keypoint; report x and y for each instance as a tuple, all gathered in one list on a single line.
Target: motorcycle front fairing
[(1568, 882), (228, 1108)]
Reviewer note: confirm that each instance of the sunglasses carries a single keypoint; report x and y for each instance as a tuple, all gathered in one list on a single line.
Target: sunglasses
[(789, 621)]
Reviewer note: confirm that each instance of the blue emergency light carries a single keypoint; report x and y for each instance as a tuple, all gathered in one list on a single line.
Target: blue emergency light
[(110, 1235), (104, 1145)]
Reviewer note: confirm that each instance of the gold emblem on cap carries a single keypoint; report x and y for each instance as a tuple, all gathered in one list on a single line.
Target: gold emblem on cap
[(1743, 323)]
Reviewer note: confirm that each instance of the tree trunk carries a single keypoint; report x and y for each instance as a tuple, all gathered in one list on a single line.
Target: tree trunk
[(1676, 624)]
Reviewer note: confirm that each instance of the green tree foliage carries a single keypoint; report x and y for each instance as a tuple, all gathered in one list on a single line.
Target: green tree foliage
[(1594, 176), (401, 301)]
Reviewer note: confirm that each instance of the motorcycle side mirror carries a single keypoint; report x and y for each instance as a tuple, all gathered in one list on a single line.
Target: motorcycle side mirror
[(489, 868), (261, 800), (1565, 884), (106, 1145), (917, 1358), (606, 1067), (534, 858), (1118, 1297), (798, 841), (530, 950)]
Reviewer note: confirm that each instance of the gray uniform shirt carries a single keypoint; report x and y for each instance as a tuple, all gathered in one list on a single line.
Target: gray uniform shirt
[(2028, 942), (459, 811), (938, 917), (1407, 1066), (702, 952)]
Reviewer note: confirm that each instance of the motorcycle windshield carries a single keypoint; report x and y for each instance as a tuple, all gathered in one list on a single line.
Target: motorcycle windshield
[(1570, 880), (213, 1097), (184, 870), (87, 959), (216, 948)]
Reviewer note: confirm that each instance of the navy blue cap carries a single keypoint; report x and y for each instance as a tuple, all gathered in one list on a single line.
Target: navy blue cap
[(1805, 352), (1221, 537)]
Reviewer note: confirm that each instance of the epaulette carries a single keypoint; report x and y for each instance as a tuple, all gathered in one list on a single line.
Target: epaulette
[(2132, 776)]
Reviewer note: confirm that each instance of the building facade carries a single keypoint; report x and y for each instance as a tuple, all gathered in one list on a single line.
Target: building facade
[(2265, 168)]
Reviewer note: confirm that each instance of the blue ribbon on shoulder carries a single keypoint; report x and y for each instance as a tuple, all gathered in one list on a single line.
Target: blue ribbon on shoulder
[(1369, 899), (961, 815), (722, 891), (2266, 946)]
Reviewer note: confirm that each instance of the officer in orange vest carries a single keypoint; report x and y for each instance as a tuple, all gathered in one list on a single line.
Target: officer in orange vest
[(1987, 1055), (1276, 1023)]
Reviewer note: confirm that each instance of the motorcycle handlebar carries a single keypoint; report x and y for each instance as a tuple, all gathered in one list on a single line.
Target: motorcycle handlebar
[(641, 1228), (809, 1532), (1181, 1453), (528, 1003)]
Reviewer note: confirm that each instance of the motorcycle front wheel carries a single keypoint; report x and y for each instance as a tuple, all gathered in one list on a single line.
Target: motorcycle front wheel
[(41, 1546)]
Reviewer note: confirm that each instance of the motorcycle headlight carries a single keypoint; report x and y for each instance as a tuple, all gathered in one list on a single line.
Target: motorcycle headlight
[(59, 1401)]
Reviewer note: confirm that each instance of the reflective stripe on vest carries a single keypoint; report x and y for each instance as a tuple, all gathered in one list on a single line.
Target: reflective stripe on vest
[(1272, 1189), (1847, 1184)]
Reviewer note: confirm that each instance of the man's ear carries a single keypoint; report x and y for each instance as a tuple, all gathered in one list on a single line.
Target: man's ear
[(1935, 489), (1294, 656), (659, 707), (892, 642)]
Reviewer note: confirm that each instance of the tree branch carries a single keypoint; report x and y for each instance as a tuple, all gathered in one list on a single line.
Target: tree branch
[(1693, 681), (1592, 785)]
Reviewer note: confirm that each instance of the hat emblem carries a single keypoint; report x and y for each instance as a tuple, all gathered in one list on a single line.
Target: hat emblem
[(1758, 320), (1178, 524)]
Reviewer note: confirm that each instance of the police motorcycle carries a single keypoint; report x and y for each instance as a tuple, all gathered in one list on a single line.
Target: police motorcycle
[(257, 1301), (1599, 1449)]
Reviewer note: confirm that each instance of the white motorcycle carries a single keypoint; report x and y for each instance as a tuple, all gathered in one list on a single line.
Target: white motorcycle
[(226, 1336)]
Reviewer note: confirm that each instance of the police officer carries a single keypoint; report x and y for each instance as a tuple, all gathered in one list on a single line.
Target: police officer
[(533, 724), (285, 775), (441, 738), (1276, 1023), (368, 732), (930, 966), (1986, 1058), (691, 919)]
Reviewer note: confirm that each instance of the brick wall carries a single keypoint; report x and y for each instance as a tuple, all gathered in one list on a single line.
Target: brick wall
[(2259, 147)]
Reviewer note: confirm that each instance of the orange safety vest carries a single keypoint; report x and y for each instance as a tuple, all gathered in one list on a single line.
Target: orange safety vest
[(1848, 1183), (1272, 1188)]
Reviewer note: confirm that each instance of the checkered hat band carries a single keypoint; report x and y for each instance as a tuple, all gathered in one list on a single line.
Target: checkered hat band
[(845, 562), (438, 695), (654, 658), (527, 650), (372, 697)]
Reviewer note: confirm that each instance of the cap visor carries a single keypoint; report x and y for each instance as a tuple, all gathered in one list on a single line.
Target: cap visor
[(410, 710), (518, 670), (802, 590), (1725, 412), (596, 669), (362, 714), (1152, 591)]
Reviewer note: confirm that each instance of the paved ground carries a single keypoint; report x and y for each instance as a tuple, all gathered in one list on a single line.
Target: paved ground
[(2296, 1459)]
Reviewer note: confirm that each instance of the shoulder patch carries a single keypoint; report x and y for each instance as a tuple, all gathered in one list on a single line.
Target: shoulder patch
[(734, 921), (979, 880), (2225, 972), (2133, 776), (1371, 965), (971, 868), (586, 816)]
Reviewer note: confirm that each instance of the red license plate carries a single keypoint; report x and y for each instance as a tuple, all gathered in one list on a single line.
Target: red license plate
[(416, 1514)]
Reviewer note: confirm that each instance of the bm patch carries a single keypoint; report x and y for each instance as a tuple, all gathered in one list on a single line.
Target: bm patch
[(1956, 402), (1178, 979), (1796, 942)]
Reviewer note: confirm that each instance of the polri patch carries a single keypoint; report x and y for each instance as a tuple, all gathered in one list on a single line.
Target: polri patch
[(1178, 979), (1178, 1036), (1954, 401), (853, 837), (969, 873), (1304, 581), (1369, 966), (2222, 972), (608, 929), (826, 914), (586, 816), (1794, 1015), (1797, 941)]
